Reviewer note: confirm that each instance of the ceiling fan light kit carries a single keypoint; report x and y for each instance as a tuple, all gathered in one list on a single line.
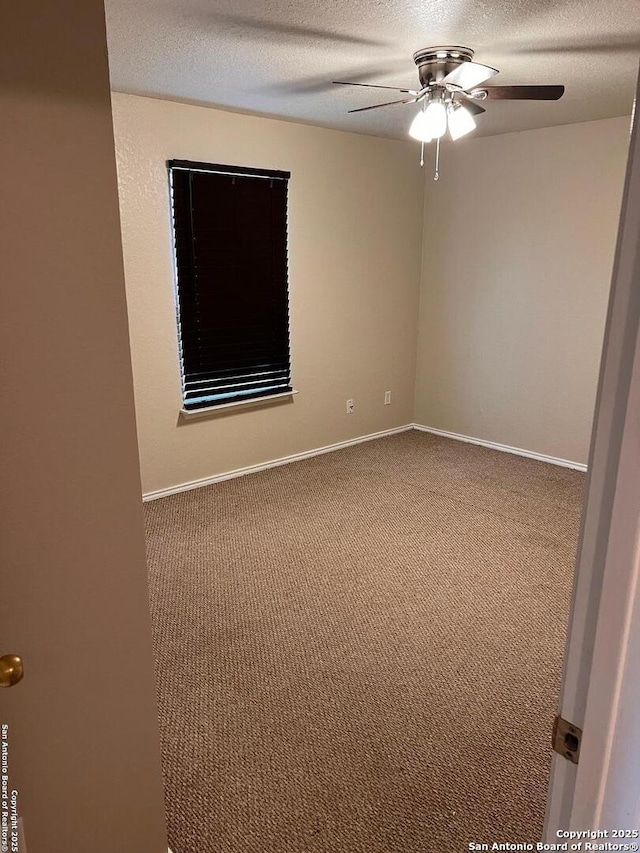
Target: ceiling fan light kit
[(451, 87)]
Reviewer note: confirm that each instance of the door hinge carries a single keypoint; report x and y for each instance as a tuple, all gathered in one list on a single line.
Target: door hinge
[(566, 739)]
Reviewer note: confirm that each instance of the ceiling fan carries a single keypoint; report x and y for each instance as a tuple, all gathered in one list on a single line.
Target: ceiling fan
[(451, 89)]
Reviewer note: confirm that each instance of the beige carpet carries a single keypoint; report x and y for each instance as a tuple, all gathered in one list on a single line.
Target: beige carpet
[(361, 652)]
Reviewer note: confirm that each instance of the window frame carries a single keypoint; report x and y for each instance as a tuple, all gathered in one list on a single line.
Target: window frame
[(246, 398)]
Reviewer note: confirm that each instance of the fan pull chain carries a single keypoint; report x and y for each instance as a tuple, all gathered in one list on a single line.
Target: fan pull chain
[(422, 154), (436, 176)]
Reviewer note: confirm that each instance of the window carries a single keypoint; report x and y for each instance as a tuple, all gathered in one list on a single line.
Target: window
[(230, 230)]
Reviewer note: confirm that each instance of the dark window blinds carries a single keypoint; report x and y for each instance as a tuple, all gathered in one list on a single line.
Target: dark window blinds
[(230, 227)]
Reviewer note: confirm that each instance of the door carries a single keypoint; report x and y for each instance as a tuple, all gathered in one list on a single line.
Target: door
[(599, 693), (79, 739)]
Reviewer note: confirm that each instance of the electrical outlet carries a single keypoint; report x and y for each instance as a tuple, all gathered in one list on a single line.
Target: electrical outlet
[(387, 398), (349, 407)]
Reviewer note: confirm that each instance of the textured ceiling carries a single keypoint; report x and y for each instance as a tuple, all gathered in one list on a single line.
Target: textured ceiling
[(278, 57)]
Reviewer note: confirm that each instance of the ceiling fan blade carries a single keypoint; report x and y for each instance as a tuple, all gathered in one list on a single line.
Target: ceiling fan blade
[(467, 75), (387, 104), (523, 93), (473, 106), (374, 86)]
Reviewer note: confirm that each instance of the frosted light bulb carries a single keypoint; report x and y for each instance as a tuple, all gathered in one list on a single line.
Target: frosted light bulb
[(461, 122), (418, 129), (435, 117)]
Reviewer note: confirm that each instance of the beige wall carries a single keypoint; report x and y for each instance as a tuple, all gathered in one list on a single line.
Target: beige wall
[(355, 231), (517, 251), (83, 739), (517, 258)]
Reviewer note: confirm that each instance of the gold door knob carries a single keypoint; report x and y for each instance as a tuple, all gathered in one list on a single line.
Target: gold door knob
[(11, 670)]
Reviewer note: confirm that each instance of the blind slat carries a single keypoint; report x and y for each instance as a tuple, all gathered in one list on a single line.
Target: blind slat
[(236, 370), (203, 401), (239, 382)]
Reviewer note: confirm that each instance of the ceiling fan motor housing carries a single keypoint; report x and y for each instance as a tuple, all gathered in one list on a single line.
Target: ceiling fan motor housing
[(434, 63)]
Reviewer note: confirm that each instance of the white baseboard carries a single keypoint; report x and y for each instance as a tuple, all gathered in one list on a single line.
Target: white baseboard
[(274, 463), (504, 448), (329, 448)]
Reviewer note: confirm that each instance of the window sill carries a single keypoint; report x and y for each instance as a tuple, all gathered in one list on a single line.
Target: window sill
[(191, 414)]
